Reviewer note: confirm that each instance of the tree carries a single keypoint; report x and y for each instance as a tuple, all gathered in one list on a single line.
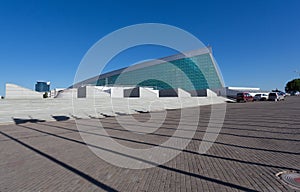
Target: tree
[(293, 85)]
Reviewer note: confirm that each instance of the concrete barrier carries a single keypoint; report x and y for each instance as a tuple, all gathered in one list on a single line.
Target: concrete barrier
[(117, 92), (91, 92), (67, 93), (17, 92), (182, 93), (211, 93), (148, 93)]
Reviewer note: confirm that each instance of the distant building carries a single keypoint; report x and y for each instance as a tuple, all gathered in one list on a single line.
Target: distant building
[(232, 91), (42, 86)]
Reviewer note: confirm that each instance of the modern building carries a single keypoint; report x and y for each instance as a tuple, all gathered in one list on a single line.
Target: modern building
[(42, 86), (194, 71)]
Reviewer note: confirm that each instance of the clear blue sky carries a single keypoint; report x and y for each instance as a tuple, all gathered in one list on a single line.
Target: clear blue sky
[(256, 43)]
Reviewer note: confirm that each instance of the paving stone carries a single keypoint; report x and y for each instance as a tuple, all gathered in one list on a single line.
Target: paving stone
[(257, 141)]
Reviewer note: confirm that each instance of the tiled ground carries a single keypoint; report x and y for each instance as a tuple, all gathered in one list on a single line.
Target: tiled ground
[(257, 141)]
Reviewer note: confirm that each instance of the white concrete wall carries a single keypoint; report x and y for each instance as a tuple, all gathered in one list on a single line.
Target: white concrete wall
[(211, 93), (96, 92), (45, 109), (17, 92), (91, 92), (67, 93), (117, 92), (148, 93), (183, 93)]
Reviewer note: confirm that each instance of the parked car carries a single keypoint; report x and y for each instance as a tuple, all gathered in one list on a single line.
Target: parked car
[(261, 97), (295, 93), (282, 93), (244, 97), (276, 96)]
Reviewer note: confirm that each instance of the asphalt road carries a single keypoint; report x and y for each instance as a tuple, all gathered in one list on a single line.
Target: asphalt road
[(257, 141)]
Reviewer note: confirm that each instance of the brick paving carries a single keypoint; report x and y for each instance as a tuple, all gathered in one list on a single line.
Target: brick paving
[(257, 141)]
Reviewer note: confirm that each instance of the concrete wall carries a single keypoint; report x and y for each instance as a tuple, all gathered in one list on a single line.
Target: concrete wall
[(211, 93), (17, 92), (148, 93), (98, 92), (125, 92), (183, 93), (117, 92), (91, 92), (67, 93)]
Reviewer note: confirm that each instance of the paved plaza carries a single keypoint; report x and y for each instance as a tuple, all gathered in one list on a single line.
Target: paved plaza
[(257, 141)]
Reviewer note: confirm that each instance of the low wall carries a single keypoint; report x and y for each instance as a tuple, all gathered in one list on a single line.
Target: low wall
[(148, 93), (91, 92), (117, 92), (17, 92), (182, 93), (67, 93)]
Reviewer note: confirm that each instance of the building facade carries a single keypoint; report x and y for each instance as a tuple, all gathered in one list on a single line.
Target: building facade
[(42, 86), (191, 71)]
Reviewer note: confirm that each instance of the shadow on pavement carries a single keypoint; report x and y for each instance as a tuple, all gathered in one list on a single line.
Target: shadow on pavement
[(114, 127), (60, 117), (66, 166), (29, 120), (155, 145), (163, 166)]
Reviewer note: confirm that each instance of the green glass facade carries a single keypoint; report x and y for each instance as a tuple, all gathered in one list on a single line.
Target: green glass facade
[(191, 73), (194, 73)]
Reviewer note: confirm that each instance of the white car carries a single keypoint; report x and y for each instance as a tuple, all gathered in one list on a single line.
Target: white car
[(261, 97), (296, 93), (275, 96)]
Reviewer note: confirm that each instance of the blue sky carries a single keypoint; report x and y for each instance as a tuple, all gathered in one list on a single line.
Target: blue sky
[(256, 43)]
